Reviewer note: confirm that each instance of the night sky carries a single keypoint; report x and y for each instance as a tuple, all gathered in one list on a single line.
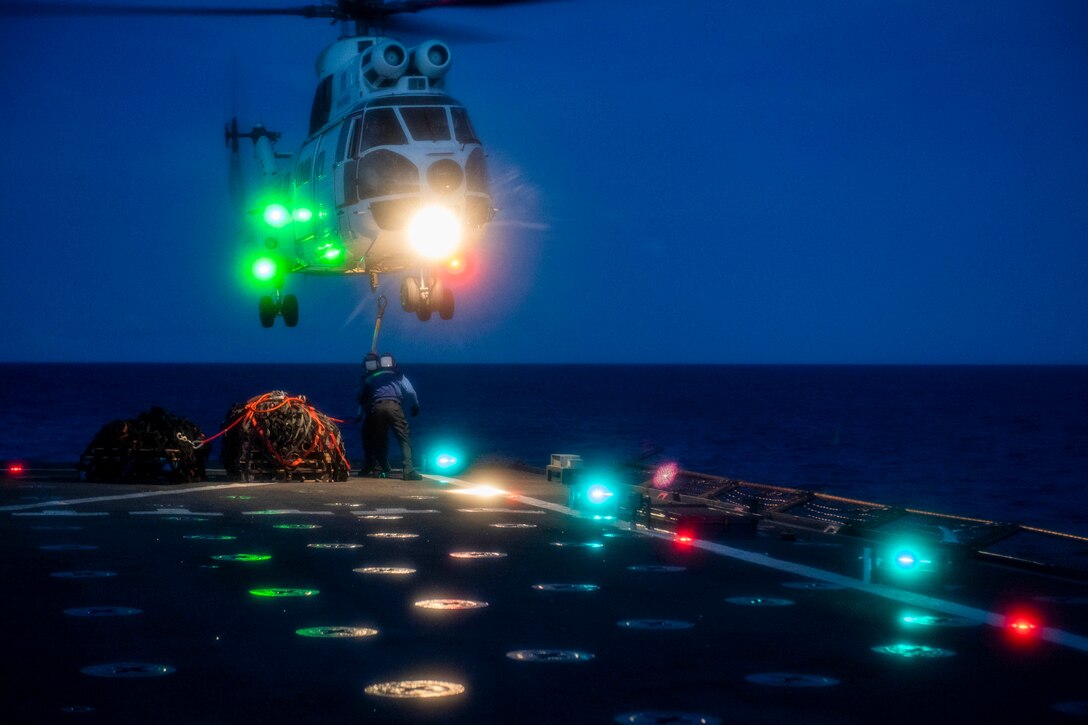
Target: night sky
[(744, 181)]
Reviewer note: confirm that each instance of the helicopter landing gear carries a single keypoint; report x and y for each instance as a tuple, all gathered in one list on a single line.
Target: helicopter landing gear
[(286, 306), (445, 305), (425, 295), (409, 294)]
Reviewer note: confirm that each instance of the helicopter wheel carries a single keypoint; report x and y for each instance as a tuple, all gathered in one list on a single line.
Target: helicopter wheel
[(423, 312), (267, 310), (409, 294), (445, 305), (289, 310)]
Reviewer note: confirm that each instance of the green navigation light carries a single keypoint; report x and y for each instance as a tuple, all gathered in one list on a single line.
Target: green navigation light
[(264, 268), (276, 215), (302, 215)]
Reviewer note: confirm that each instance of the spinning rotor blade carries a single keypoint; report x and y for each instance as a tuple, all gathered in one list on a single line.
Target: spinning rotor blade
[(360, 10), (28, 9)]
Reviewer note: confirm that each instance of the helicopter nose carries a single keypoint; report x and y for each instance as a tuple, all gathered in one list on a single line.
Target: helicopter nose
[(445, 176)]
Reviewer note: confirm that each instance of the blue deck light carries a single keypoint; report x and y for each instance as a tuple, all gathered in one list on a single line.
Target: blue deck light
[(445, 459), (595, 494), (911, 561)]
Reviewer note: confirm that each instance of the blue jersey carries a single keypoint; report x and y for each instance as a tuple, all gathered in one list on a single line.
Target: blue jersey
[(387, 385)]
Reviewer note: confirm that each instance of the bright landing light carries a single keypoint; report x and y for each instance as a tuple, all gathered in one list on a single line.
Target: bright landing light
[(435, 232)]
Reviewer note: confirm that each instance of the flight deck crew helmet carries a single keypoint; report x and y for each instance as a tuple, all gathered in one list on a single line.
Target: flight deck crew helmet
[(387, 361), (370, 362)]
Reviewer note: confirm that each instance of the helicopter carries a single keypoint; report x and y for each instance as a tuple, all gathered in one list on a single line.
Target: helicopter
[(391, 177)]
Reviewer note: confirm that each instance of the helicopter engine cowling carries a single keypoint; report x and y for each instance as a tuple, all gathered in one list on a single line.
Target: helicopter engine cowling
[(431, 59), (385, 61)]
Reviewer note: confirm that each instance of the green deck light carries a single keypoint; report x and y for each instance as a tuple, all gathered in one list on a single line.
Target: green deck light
[(332, 253), (242, 557), (337, 632), (276, 215), (302, 215), (282, 592)]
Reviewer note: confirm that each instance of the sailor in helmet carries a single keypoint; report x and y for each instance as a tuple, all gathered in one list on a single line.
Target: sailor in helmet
[(384, 395)]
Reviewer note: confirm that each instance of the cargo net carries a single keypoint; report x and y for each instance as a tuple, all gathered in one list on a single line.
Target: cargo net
[(281, 437), (151, 448)]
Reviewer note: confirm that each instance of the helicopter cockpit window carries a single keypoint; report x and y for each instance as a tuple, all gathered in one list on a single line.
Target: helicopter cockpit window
[(381, 128), (462, 127), (426, 124), (302, 171)]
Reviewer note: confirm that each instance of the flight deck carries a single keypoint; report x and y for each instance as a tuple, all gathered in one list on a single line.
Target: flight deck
[(485, 598)]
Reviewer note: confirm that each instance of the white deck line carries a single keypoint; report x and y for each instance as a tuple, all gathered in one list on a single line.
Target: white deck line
[(143, 494), (914, 599)]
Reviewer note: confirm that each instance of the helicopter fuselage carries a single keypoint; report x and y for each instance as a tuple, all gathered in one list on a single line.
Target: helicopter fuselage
[(391, 177)]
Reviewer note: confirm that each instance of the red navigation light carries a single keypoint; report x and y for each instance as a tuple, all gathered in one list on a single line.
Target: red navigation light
[(15, 468)]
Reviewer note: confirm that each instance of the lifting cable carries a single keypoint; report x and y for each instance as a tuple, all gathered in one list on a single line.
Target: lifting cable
[(382, 302)]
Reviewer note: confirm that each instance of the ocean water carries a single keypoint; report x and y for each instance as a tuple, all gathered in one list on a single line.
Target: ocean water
[(1005, 443)]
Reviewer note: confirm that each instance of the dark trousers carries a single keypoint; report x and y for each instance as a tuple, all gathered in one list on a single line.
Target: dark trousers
[(383, 416)]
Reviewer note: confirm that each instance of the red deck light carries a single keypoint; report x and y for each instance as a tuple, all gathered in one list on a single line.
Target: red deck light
[(1022, 625), (685, 536)]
